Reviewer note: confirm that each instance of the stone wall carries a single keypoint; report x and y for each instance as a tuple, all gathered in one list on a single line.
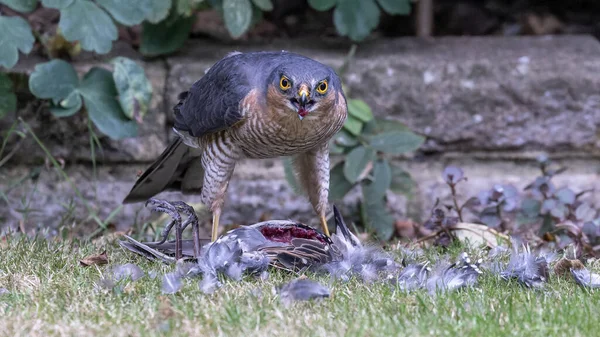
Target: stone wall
[(489, 104)]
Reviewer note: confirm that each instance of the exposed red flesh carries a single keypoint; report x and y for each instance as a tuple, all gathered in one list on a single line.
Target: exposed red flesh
[(302, 112), (285, 234)]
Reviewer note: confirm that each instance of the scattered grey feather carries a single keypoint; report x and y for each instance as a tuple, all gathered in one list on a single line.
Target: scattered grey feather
[(209, 283), (412, 277), (302, 290), (354, 259), (498, 251), (119, 273), (152, 274), (123, 271), (105, 283), (234, 271), (528, 269), (171, 283), (4, 291), (585, 278), (185, 269), (446, 277)]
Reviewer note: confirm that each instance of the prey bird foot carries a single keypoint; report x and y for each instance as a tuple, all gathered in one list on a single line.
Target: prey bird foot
[(187, 210), (163, 206), (173, 209)]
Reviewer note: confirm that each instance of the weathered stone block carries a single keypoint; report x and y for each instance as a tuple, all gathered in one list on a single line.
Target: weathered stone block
[(465, 93)]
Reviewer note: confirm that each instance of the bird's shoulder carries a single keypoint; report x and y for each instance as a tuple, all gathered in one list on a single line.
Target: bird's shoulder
[(220, 98)]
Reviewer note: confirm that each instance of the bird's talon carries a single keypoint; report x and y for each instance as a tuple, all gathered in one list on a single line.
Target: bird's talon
[(173, 208)]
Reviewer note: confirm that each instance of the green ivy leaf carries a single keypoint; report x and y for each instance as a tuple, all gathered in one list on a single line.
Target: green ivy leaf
[(186, 7), (16, 35), (68, 106), (356, 18), (359, 109), (237, 15), (395, 7), (23, 6), (85, 22), (380, 125), (382, 175), (339, 186), (265, 5), (54, 80), (396, 142), (322, 5), (8, 99), (345, 139), (99, 95), (334, 148), (353, 125), (133, 12), (356, 162), (135, 91), (57, 4), (378, 218), (159, 10), (402, 182), (166, 36)]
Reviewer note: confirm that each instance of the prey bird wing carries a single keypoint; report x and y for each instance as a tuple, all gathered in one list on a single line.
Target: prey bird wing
[(299, 254)]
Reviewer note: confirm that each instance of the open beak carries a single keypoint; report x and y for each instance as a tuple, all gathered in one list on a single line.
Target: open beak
[(302, 100)]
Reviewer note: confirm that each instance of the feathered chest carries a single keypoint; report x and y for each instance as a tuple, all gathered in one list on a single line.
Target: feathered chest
[(267, 134)]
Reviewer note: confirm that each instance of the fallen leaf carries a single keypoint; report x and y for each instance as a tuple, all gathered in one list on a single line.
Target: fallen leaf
[(563, 267), (98, 259), (478, 234), (406, 228)]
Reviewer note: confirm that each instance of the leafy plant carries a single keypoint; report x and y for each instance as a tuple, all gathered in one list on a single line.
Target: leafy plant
[(541, 206), (111, 100), (357, 18)]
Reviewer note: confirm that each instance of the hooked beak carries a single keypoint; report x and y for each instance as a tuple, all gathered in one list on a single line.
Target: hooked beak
[(302, 100)]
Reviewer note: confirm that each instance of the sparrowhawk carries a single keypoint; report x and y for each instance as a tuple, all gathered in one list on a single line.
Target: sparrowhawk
[(250, 105)]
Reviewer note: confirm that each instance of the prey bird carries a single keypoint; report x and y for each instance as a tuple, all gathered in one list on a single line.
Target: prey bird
[(250, 105)]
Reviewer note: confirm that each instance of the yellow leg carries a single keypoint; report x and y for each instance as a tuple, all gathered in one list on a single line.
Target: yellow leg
[(324, 225), (215, 224)]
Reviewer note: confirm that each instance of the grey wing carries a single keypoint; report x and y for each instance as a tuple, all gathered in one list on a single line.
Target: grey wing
[(213, 102)]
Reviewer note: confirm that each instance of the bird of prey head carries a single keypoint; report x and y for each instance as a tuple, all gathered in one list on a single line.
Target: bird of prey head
[(303, 87)]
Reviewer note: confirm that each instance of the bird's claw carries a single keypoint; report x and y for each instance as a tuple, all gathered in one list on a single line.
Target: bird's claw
[(173, 209)]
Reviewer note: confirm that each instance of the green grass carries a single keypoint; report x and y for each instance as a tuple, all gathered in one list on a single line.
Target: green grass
[(51, 295)]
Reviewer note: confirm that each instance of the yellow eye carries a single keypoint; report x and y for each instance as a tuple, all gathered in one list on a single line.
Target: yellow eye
[(284, 83), (322, 87)]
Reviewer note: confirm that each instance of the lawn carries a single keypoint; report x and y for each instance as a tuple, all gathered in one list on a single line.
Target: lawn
[(51, 294)]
